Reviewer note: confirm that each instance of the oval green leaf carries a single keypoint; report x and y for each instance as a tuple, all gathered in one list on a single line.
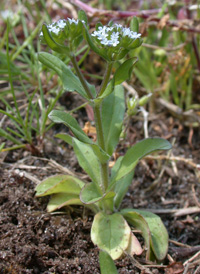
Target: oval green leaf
[(153, 231), (52, 43), (107, 265), (121, 186), (134, 24), (90, 194), (113, 106), (58, 116), (60, 200), (159, 235), (87, 160), (111, 233), (135, 219), (70, 81), (124, 71), (135, 153), (59, 183)]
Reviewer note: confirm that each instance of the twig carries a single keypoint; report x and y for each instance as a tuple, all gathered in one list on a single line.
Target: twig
[(68, 6), (156, 182), (192, 258), (164, 48), (179, 244), (145, 125), (176, 212), (186, 211), (186, 269), (178, 25), (20, 166), (155, 266), (31, 178), (61, 168), (197, 271), (171, 260), (194, 41), (174, 158), (146, 14), (130, 89), (137, 264), (195, 197), (93, 11)]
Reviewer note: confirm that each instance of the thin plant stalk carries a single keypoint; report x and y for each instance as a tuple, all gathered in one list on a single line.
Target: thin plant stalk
[(80, 76), (106, 78), (101, 143)]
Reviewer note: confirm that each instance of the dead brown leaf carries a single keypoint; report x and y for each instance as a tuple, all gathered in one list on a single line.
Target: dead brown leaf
[(90, 130), (163, 21), (174, 268)]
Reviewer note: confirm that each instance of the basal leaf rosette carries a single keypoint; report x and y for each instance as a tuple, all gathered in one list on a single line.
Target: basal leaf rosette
[(114, 41), (63, 34)]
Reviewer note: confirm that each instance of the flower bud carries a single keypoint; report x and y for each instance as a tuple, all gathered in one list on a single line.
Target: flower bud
[(132, 104), (145, 99)]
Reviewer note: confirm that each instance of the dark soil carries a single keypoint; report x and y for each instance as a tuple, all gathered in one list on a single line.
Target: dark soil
[(34, 241)]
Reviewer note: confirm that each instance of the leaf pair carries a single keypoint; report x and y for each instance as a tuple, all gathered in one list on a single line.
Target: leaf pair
[(153, 231), (112, 234), (65, 190)]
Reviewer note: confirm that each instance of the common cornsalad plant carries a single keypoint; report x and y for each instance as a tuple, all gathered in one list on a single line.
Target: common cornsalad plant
[(111, 230)]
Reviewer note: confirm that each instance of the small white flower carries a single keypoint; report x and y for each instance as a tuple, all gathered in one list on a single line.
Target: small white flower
[(73, 21), (115, 35), (106, 36), (61, 24), (115, 38), (134, 35), (118, 26), (54, 28), (126, 32), (6, 14), (104, 42), (130, 33)]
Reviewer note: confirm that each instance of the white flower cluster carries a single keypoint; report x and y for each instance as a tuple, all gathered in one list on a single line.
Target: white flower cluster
[(110, 36), (106, 36), (73, 21), (58, 26), (6, 14)]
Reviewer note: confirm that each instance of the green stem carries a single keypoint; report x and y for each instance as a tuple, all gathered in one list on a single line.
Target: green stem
[(101, 143), (106, 78), (13, 148), (81, 77), (79, 107), (99, 126)]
